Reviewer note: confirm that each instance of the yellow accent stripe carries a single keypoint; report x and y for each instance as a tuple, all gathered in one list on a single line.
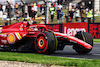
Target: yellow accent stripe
[(3, 33), (19, 35)]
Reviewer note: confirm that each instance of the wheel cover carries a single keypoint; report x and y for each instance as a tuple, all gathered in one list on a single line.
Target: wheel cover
[(41, 44)]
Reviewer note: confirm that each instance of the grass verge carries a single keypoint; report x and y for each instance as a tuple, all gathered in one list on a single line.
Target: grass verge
[(51, 60), (96, 40)]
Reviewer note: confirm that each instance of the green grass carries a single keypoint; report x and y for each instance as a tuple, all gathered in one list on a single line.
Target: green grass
[(51, 60), (96, 40)]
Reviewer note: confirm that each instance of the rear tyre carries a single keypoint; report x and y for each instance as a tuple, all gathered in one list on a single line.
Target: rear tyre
[(45, 43), (85, 37)]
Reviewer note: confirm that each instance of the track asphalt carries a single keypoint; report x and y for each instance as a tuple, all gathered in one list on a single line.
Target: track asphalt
[(68, 51)]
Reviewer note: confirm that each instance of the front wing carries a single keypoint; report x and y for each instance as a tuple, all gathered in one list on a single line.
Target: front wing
[(74, 39)]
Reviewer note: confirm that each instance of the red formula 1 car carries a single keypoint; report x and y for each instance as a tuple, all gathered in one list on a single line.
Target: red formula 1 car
[(24, 37)]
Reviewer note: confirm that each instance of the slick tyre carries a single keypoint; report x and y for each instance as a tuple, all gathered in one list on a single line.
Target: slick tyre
[(85, 37), (45, 43)]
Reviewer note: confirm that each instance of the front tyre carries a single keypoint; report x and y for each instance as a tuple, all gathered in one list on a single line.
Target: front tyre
[(45, 43), (85, 37)]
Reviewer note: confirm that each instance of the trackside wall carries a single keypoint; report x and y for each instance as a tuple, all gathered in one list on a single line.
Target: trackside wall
[(68, 28), (72, 28), (94, 30)]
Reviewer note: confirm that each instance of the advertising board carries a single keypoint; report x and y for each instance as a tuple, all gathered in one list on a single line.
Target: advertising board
[(94, 30), (55, 27), (68, 28), (72, 28)]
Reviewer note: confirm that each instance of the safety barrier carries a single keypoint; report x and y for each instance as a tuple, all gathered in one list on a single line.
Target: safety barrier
[(68, 28), (94, 30), (72, 28)]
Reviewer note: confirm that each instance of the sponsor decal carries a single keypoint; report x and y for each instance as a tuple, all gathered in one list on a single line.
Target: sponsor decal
[(11, 38), (24, 35), (73, 31), (4, 41), (3, 35), (18, 36), (54, 27), (94, 30), (72, 28)]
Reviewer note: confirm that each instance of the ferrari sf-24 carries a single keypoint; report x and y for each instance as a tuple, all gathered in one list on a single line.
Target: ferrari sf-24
[(24, 37)]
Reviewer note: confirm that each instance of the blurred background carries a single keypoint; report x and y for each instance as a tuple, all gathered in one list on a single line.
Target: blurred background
[(60, 11)]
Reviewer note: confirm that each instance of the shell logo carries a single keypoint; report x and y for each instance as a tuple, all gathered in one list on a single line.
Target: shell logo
[(11, 38)]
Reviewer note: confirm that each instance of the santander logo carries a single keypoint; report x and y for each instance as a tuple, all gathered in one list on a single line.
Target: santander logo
[(73, 31)]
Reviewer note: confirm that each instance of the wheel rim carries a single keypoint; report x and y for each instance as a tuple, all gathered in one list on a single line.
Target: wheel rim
[(41, 44)]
